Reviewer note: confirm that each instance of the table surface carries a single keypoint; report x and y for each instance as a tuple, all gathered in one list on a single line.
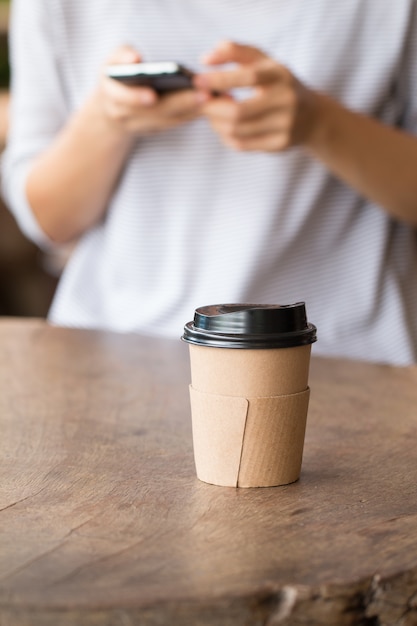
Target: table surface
[(103, 521)]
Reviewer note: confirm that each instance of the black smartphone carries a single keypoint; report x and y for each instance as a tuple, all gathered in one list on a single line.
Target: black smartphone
[(161, 76)]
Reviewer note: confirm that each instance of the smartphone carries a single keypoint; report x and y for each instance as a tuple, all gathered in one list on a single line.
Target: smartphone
[(161, 76)]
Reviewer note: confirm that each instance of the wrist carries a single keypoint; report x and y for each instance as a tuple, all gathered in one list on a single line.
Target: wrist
[(330, 128), (318, 120)]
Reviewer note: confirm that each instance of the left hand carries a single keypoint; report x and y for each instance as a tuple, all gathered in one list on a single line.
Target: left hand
[(280, 113)]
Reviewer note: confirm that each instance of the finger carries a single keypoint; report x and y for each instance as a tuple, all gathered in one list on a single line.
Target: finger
[(274, 122), (230, 110), (232, 52), (264, 102), (263, 72), (124, 54), (222, 107), (182, 102), (129, 95), (271, 123)]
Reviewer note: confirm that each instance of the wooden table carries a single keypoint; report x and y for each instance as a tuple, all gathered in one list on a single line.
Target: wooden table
[(104, 523)]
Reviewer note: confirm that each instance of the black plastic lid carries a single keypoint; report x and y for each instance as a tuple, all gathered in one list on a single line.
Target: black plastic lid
[(250, 326)]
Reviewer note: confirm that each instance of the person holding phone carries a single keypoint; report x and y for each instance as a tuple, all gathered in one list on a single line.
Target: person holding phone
[(285, 173)]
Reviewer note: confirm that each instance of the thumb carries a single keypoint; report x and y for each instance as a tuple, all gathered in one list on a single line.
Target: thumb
[(232, 52), (125, 54)]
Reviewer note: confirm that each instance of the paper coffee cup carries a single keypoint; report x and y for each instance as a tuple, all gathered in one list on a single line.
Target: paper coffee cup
[(249, 392)]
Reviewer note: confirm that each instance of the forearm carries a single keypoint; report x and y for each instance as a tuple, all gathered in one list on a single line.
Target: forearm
[(378, 161), (70, 184)]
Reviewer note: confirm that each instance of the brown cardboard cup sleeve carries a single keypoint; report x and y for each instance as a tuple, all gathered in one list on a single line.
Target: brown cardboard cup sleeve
[(248, 442)]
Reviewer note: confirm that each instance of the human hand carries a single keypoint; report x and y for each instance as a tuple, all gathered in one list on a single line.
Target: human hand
[(137, 110), (280, 113)]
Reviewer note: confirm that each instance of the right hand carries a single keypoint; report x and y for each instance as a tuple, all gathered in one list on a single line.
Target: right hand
[(139, 111)]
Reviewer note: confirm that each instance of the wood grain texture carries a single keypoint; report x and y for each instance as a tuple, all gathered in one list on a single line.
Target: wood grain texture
[(103, 522)]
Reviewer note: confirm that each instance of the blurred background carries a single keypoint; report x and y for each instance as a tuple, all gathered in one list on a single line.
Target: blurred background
[(28, 276)]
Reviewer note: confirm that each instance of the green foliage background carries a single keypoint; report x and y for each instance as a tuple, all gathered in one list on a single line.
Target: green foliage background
[(4, 61)]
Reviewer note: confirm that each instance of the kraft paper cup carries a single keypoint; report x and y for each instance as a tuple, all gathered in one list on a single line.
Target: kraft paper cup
[(249, 392)]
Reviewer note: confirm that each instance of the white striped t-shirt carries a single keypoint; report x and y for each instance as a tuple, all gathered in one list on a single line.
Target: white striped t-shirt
[(195, 223)]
